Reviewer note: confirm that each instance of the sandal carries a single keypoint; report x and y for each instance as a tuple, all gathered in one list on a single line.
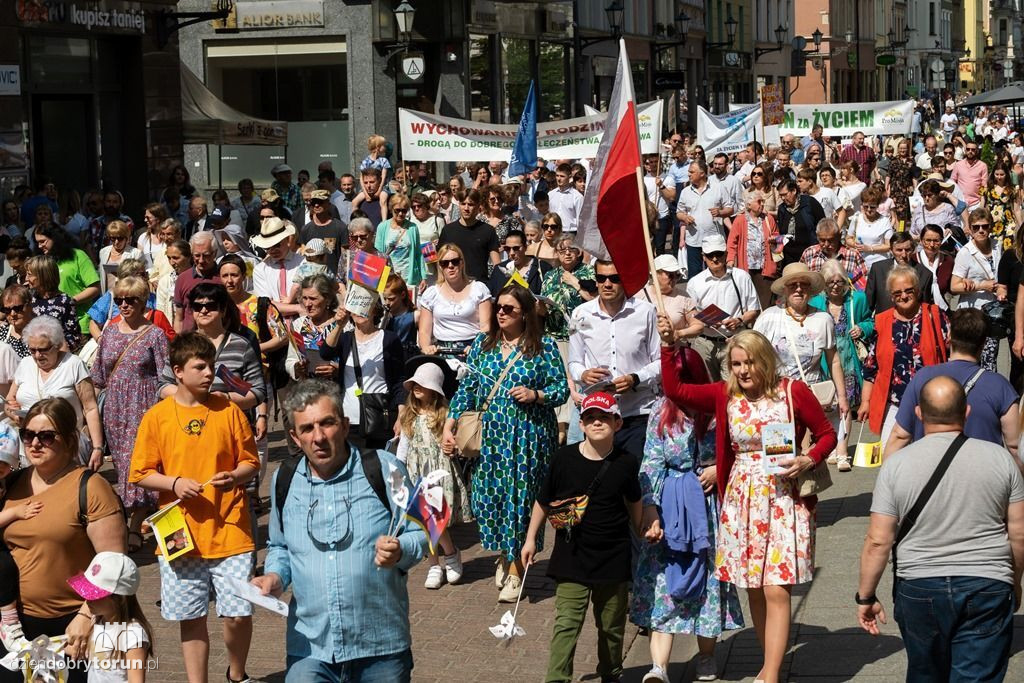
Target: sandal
[(137, 546)]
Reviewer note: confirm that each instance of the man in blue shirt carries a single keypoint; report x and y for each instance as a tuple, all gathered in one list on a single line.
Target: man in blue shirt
[(349, 614), (992, 403)]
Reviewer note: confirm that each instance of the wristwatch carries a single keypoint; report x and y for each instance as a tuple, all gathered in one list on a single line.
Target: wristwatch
[(870, 600)]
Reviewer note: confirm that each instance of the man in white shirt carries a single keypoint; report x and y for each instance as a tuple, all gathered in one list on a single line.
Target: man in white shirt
[(655, 195), (614, 346), (565, 200), (948, 121), (924, 159), (829, 200), (729, 289), (272, 277), (732, 188), (700, 209)]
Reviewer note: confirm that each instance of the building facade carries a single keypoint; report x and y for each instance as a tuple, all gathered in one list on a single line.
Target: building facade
[(843, 67)]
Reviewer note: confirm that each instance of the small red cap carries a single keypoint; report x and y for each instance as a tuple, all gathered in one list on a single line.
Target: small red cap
[(602, 401)]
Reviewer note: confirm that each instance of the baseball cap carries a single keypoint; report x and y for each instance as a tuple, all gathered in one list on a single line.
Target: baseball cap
[(108, 574), (712, 244), (600, 400), (281, 168), (315, 247), (219, 214), (319, 195), (269, 195), (668, 263)]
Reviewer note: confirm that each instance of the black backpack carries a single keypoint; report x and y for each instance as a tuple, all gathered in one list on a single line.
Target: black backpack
[(370, 461)]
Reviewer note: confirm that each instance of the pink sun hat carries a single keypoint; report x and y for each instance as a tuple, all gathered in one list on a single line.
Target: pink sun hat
[(108, 574)]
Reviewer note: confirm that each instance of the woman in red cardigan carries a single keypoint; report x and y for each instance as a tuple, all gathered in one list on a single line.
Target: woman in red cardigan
[(766, 532), (755, 258)]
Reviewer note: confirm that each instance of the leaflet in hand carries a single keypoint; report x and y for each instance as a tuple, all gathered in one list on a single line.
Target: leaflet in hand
[(251, 593), (171, 531), (779, 442), (711, 315)]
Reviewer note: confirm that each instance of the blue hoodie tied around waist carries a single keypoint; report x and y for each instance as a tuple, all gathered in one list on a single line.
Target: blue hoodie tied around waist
[(685, 521)]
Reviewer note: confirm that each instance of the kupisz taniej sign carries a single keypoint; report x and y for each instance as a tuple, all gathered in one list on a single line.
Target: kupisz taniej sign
[(251, 16), (109, 16)]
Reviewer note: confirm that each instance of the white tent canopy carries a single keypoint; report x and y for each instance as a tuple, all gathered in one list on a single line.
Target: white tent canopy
[(206, 120)]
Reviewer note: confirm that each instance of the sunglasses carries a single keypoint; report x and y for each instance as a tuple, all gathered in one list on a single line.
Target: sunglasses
[(758, 174), (358, 238), (204, 306), (399, 210), (451, 263), (514, 247), (615, 279), (981, 226), (41, 351), (126, 300), (46, 437), (7, 310), (550, 226), (715, 255), (505, 309)]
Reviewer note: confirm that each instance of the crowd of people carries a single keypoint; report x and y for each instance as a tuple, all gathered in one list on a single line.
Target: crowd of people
[(810, 284)]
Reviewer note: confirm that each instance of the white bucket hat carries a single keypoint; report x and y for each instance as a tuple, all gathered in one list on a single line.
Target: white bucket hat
[(428, 376)]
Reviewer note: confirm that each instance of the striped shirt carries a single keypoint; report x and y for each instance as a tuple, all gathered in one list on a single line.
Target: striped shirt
[(237, 355)]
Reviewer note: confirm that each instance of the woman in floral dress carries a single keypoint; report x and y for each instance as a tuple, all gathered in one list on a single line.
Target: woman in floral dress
[(1002, 201), (900, 181), (519, 429), (130, 356), (766, 529), (672, 449)]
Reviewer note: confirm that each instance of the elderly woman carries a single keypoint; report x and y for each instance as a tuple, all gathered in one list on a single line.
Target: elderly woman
[(801, 335), (547, 249), (750, 243), (870, 231), (119, 249), (43, 278), (17, 307), (323, 316), (530, 379), (455, 310), (975, 275), (149, 241), (78, 278), (50, 372), (372, 363), (63, 538), (679, 307), (854, 327), (766, 534), (398, 240), (131, 354), (908, 336)]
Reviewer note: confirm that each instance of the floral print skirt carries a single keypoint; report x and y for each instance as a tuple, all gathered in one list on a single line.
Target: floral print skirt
[(765, 532)]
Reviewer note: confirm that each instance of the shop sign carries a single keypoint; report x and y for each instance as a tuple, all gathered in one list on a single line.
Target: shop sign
[(98, 16), (254, 16), (10, 79)]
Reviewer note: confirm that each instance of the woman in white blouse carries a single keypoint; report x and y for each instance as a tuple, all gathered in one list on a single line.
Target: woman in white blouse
[(453, 311), (974, 275), (119, 249), (869, 230)]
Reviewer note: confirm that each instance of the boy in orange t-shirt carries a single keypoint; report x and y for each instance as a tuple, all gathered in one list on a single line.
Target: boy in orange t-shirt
[(186, 439)]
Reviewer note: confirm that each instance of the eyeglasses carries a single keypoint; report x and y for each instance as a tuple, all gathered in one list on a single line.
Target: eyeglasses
[(451, 263), (204, 307), (505, 309), (799, 284), (46, 437), (41, 351), (119, 238), (836, 283), (126, 300), (418, 206), (568, 250), (614, 278), (903, 293), (7, 310)]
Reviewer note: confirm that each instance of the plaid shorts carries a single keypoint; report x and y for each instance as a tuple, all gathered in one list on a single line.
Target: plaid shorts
[(186, 583)]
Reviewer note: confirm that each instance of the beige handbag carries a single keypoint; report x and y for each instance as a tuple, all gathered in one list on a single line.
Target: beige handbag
[(470, 425), (817, 479), (825, 391)]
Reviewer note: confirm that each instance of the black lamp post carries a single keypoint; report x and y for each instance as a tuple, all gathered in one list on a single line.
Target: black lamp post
[(168, 23), (404, 15), (730, 33), (780, 37), (682, 25), (615, 13)]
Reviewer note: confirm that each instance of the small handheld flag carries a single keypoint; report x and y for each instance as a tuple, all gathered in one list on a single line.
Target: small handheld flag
[(232, 381), (368, 270), (428, 507)]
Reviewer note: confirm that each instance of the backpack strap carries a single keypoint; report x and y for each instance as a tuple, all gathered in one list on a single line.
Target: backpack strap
[(372, 471), (83, 497), (285, 474)]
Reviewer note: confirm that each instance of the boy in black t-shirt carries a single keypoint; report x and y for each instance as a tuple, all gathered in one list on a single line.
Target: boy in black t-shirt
[(590, 561)]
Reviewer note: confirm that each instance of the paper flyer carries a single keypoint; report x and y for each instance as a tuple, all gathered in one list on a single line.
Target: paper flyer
[(252, 594), (711, 315), (171, 532), (779, 442), (359, 300)]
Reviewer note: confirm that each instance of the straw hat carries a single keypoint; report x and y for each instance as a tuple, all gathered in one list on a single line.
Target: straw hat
[(272, 231), (799, 271)]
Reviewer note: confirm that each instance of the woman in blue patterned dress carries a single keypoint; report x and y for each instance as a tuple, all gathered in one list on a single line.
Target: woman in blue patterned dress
[(519, 429), (673, 448)]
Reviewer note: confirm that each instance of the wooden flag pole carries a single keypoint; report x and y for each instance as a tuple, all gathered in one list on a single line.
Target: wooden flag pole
[(647, 240)]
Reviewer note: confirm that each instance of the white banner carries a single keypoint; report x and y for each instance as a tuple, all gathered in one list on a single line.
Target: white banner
[(726, 133), (427, 137)]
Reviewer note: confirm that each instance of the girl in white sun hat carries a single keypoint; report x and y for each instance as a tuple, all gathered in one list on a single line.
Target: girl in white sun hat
[(120, 644)]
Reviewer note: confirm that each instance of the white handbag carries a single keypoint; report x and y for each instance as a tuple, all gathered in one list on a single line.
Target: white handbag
[(825, 391)]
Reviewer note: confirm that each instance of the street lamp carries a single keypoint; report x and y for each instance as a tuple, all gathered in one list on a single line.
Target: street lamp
[(615, 12), (816, 39), (730, 33), (168, 23), (404, 15), (780, 37)]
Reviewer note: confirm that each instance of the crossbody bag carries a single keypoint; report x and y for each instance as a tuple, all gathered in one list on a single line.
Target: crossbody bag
[(817, 479), (568, 512), (824, 391), (470, 425), (376, 418)]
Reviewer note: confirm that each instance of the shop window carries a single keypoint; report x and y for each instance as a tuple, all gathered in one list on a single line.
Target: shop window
[(60, 59), (553, 90), (480, 81)]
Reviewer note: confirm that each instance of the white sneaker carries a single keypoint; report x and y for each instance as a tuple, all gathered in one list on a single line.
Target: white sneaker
[(844, 465), (510, 591), (435, 578), (707, 670), (655, 675), (12, 637), (453, 567)]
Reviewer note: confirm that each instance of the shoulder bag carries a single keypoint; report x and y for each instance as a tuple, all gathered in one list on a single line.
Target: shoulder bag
[(470, 425), (824, 391), (860, 345), (376, 418), (568, 512), (817, 479)]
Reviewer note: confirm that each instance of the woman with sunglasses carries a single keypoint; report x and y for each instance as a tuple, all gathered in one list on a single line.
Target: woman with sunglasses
[(519, 427), (869, 230), (398, 240), (975, 275), (455, 310), (936, 208), (492, 211), (761, 180), (118, 234), (149, 241), (547, 249), (55, 544), (43, 278), (131, 354), (908, 336), (52, 372), (16, 306)]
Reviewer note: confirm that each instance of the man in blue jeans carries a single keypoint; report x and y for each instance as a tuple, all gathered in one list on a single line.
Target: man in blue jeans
[(958, 578)]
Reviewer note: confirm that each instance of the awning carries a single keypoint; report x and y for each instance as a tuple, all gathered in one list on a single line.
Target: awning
[(206, 120), (1005, 95)]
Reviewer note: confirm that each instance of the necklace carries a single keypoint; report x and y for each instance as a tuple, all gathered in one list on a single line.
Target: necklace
[(193, 427), (509, 345), (796, 316), (49, 481)]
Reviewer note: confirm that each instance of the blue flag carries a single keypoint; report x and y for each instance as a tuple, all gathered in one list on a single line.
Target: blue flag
[(524, 152)]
